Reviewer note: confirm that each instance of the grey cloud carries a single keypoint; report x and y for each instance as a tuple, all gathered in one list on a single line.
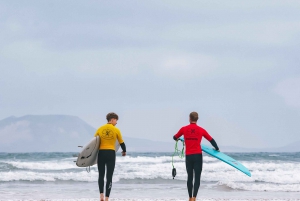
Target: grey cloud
[(290, 91)]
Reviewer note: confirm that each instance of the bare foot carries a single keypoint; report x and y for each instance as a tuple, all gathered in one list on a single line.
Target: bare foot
[(101, 197), (193, 198), (106, 198)]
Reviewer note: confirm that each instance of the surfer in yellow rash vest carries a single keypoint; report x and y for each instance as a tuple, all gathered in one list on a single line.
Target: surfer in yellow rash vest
[(108, 134)]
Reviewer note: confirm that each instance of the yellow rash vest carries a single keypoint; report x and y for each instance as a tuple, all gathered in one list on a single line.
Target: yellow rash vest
[(108, 134)]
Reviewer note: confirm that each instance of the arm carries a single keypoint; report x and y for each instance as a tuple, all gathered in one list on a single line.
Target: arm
[(178, 135), (214, 144), (123, 146), (121, 142), (211, 140)]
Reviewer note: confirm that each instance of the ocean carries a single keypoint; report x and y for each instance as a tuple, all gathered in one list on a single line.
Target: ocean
[(148, 176)]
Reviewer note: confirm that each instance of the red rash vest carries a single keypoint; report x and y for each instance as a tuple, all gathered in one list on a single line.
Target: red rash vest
[(193, 134)]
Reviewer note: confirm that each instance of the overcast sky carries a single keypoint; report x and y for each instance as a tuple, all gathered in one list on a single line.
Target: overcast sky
[(153, 62)]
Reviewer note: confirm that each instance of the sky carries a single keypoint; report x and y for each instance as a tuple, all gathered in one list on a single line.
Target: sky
[(153, 62)]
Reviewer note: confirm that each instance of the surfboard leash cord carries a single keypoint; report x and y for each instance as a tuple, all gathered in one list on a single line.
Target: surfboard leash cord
[(179, 153)]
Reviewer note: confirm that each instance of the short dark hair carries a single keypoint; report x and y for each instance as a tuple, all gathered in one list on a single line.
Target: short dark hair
[(112, 115), (194, 116)]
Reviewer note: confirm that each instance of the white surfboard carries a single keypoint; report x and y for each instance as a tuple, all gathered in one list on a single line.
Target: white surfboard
[(89, 154)]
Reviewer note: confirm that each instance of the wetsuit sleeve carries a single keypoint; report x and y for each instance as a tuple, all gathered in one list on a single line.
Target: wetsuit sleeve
[(119, 137), (214, 144), (206, 135), (179, 134), (123, 146), (210, 139)]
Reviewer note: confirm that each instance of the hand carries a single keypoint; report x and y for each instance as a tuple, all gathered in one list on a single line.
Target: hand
[(123, 153)]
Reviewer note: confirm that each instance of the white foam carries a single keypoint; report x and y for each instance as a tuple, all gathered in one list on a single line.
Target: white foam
[(266, 175), (262, 186), (39, 176), (274, 155), (160, 159), (43, 165)]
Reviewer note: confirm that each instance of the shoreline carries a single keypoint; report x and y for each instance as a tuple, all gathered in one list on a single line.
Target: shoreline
[(157, 199)]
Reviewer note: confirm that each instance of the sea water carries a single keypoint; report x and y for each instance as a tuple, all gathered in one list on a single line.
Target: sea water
[(148, 176)]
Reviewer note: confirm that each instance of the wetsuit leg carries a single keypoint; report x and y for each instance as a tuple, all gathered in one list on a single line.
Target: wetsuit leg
[(189, 164), (110, 164), (198, 161), (101, 170)]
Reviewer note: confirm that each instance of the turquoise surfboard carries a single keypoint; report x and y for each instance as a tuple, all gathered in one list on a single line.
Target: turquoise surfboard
[(223, 157)]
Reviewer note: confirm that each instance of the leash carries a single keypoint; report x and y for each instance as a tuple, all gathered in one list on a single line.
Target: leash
[(179, 153)]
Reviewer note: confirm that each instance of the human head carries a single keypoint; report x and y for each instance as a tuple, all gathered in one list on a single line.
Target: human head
[(112, 118), (193, 117)]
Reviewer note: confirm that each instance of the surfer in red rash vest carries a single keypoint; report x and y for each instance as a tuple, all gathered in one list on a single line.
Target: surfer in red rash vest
[(193, 134)]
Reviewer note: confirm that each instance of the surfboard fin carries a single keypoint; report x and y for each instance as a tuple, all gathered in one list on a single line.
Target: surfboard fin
[(88, 170)]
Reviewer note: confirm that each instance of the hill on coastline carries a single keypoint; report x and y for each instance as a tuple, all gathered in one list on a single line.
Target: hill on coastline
[(38, 133), (63, 133), (59, 133)]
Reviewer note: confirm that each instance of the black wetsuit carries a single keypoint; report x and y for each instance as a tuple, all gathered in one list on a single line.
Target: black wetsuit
[(193, 164), (107, 157)]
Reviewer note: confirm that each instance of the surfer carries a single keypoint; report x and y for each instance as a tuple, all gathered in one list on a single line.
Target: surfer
[(108, 134), (193, 161)]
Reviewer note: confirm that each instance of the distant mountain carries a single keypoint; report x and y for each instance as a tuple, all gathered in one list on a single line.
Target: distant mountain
[(59, 133), (293, 147), (62, 133), (39, 133)]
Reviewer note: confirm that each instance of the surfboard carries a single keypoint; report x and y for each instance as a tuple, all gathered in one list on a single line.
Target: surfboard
[(223, 157), (89, 154)]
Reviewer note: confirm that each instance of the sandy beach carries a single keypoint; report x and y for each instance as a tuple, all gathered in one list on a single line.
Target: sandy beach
[(171, 199)]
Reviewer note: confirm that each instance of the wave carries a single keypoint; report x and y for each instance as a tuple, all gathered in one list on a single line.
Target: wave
[(160, 159), (43, 165), (266, 175), (68, 163), (93, 177), (40, 176), (261, 187)]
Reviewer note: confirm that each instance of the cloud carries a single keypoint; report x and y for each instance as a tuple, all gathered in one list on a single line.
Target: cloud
[(289, 90), (184, 65), (35, 57), (181, 66), (152, 52), (229, 133), (158, 124)]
